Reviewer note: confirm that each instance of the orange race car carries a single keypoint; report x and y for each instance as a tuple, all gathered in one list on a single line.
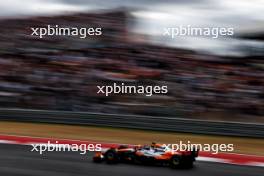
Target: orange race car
[(154, 154)]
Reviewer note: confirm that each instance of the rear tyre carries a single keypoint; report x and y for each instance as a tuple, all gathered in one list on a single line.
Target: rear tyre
[(111, 157)]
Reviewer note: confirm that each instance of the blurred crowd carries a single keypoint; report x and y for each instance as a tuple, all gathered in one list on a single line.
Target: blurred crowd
[(61, 73)]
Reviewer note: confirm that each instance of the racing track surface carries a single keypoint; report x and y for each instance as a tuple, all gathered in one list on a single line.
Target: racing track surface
[(17, 160)]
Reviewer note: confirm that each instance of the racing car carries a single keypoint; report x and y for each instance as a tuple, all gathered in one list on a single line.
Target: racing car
[(154, 154)]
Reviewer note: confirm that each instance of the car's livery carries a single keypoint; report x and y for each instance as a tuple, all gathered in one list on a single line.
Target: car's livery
[(155, 154)]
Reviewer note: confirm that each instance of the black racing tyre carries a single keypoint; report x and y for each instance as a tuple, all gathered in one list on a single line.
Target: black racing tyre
[(175, 162), (111, 156)]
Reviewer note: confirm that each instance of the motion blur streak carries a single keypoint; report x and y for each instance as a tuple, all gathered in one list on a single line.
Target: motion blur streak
[(216, 79), (62, 73), (18, 160)]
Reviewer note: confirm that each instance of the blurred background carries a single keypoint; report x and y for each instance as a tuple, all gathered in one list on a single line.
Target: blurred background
[(213, 79)]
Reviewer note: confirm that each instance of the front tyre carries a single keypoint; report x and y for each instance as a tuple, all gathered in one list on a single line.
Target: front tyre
[(175, 162)]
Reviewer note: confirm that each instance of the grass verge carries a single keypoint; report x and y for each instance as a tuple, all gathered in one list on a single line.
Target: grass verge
[(128, 136)]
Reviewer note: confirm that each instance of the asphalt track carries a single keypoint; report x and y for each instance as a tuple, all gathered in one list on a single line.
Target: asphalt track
[(18, 160)]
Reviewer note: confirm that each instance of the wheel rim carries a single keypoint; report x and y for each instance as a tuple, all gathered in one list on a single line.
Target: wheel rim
[(110, 156), (175, 161)]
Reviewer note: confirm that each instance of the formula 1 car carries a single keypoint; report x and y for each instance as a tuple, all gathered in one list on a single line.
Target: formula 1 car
[(154, 154)]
